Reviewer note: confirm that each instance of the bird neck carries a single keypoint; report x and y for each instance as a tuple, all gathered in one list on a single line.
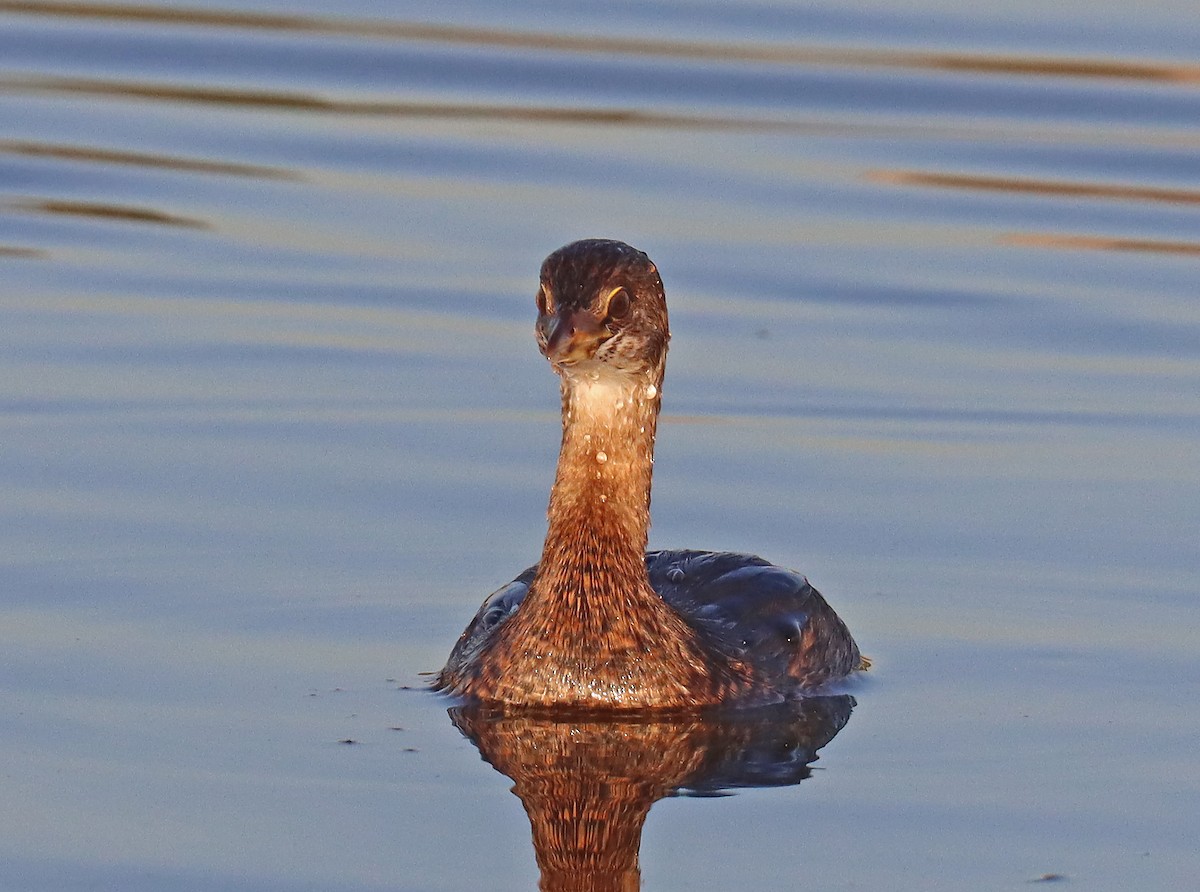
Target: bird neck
[(599, 515), (591, 630)]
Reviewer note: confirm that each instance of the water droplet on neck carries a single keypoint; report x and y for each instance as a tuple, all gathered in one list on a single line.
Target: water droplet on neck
[(602, 456), (603, 498), (651, 391)]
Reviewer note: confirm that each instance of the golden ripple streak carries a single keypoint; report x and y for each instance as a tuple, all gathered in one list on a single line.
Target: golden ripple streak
[(1017, 185), (24, 253), (142, 159), (612, 117), (311, 103), (635, 46), (1101, 243), (172, 93), (107, 211)]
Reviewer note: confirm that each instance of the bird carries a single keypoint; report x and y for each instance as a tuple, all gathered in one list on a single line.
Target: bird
[(599, 623)]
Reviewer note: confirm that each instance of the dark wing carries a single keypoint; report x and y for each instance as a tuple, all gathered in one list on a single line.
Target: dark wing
[(767, 615)]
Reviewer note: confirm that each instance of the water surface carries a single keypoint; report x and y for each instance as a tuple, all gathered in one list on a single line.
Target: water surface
[(274, 422)]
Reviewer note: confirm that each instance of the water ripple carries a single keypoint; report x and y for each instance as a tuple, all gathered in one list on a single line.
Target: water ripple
[(142, 159), (1036, 187), (1100, 243), (536, 41), (305, 102), (107, 212), (13, 251)]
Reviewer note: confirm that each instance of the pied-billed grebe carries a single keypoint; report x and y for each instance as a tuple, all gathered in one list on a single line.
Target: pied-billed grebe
[(598, 623)]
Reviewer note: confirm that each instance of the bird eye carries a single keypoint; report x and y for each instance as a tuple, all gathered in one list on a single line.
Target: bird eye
[(545, 303), (618, 304)]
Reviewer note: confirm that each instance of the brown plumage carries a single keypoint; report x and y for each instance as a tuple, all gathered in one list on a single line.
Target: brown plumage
[(598, 623)]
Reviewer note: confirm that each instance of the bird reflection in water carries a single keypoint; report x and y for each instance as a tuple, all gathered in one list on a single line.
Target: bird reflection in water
[(587, 782)]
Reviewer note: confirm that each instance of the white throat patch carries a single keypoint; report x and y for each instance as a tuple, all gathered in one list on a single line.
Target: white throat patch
[(600, 392)]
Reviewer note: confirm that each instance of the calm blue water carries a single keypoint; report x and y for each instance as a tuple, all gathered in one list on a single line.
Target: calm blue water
[(274, 422)]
